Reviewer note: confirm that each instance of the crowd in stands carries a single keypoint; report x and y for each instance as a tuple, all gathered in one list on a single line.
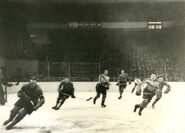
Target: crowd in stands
[(84, 65), (139, 63), (111, 12), (143, 64)]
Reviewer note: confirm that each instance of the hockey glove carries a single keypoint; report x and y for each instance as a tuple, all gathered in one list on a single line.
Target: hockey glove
[(166, 91), (138, 91), (35, 107)]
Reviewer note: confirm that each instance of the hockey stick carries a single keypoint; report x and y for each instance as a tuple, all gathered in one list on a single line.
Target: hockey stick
[(85, 99), (80, 98)]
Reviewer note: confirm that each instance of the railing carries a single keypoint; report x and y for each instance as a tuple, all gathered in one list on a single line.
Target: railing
[(78, 71)]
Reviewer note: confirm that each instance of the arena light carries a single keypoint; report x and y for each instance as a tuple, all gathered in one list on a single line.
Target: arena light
[(154, 22), (155, 25), (33, 35)]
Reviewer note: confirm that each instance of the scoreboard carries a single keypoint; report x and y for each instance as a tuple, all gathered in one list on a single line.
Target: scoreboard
[(155, 25)]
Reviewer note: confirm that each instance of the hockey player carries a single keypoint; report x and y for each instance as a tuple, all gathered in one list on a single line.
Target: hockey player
[(137, 81), (122, 82), (102, 87), (2, 95), (3, 83), (159, 92), (30, 99), (152, 85), (65, 90)]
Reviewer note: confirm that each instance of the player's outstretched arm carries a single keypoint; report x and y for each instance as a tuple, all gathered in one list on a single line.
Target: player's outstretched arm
[(60, 87), (139, 88), (143, 82), (168, 89)]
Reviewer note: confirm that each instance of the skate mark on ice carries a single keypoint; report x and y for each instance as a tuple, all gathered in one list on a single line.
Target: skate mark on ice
[(45, 130), (25, 127)]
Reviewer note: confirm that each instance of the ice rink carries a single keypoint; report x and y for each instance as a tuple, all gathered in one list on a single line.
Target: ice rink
[(78, 116)]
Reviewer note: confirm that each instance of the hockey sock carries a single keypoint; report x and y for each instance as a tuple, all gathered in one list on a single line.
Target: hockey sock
[(144, 103), (140, 111), (96, 97), (120, 92), (136, 107), (103, 100)]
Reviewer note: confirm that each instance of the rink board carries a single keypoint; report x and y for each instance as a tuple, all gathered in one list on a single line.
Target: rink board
[(79, 86)]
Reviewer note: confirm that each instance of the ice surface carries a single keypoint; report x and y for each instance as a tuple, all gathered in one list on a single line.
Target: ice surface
[(78, 116)]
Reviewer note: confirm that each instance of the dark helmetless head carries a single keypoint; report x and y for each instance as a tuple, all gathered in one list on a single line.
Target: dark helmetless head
[(32, 82), (67, 80), (106, 72), (160, 79), (153, 77), (122, 71)]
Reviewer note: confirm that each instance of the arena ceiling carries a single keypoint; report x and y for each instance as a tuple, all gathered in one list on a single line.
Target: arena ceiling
[(95, 1)]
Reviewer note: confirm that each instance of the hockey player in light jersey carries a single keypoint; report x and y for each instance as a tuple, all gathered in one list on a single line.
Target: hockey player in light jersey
[(102, 87), (152, 85)]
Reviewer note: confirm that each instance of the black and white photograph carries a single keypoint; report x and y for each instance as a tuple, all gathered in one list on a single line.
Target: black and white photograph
[(92, 66)]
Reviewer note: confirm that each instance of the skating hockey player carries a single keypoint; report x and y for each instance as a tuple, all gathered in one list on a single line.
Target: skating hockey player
[(30, 99), (102, 87), (152, 85), (159, 92), (122, 82), (65, 90)]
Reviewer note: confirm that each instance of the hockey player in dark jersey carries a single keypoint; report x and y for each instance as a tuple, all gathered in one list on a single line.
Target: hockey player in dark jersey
[(122, 82), (2, 94), (152, 85), (159, 92), (102, 87), (3, 83), (65, 90), (30, 99)]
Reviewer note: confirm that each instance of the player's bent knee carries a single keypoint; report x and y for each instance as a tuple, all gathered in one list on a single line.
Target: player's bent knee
[(98, 95)]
